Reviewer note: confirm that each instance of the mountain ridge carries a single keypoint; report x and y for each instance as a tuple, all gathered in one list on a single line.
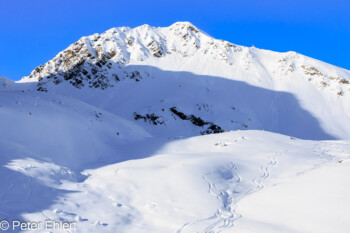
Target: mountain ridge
[(155, 61), (159, 43)]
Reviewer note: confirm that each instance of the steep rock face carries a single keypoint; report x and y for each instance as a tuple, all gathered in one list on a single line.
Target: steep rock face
[(144, 72)]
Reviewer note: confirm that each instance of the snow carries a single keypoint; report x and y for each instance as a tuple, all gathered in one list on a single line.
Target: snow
[(301, 204), (110, 154), (245, 180)]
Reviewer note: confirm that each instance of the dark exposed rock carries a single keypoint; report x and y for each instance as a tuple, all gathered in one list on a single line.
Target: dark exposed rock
[(198, 122), (213, 129), (344, 81), (83, 72), (156, 48), (130, 41), (178, 113), (311, 71), (192, 28), (150, 118), (41, 88), (135, 75)]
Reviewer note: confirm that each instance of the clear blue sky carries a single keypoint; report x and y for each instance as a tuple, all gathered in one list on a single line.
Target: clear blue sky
[(34, 31)]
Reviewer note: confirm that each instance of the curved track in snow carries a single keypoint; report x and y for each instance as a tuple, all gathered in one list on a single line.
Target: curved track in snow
[(225, 216)]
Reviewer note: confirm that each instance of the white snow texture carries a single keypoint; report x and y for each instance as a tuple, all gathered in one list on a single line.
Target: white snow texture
[(169, 130)]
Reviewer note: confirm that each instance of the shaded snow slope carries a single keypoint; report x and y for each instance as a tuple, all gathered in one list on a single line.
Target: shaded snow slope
[(68, 130)]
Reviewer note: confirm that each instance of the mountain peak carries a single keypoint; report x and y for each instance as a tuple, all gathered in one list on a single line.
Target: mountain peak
[(102, 60), (185, 24)]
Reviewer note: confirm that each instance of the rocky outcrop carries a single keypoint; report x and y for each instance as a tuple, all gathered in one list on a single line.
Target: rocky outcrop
[(197, 121)]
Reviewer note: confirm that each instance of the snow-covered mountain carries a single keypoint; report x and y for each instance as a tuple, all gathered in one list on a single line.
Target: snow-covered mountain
[(148, 72), (112, 133)]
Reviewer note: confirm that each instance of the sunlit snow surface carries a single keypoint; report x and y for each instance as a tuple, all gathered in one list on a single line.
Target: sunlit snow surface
[(91, 156), (244, 181)]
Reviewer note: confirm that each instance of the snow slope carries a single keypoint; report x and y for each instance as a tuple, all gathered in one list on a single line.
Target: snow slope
[(112, 134), (320, 196), (195, 185)]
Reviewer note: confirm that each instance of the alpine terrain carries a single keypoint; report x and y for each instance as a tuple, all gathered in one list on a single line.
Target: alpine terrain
[(167, 129)]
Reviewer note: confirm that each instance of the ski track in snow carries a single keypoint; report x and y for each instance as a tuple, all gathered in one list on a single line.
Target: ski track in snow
[(225, 217), (8, 189), (324, 155)]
